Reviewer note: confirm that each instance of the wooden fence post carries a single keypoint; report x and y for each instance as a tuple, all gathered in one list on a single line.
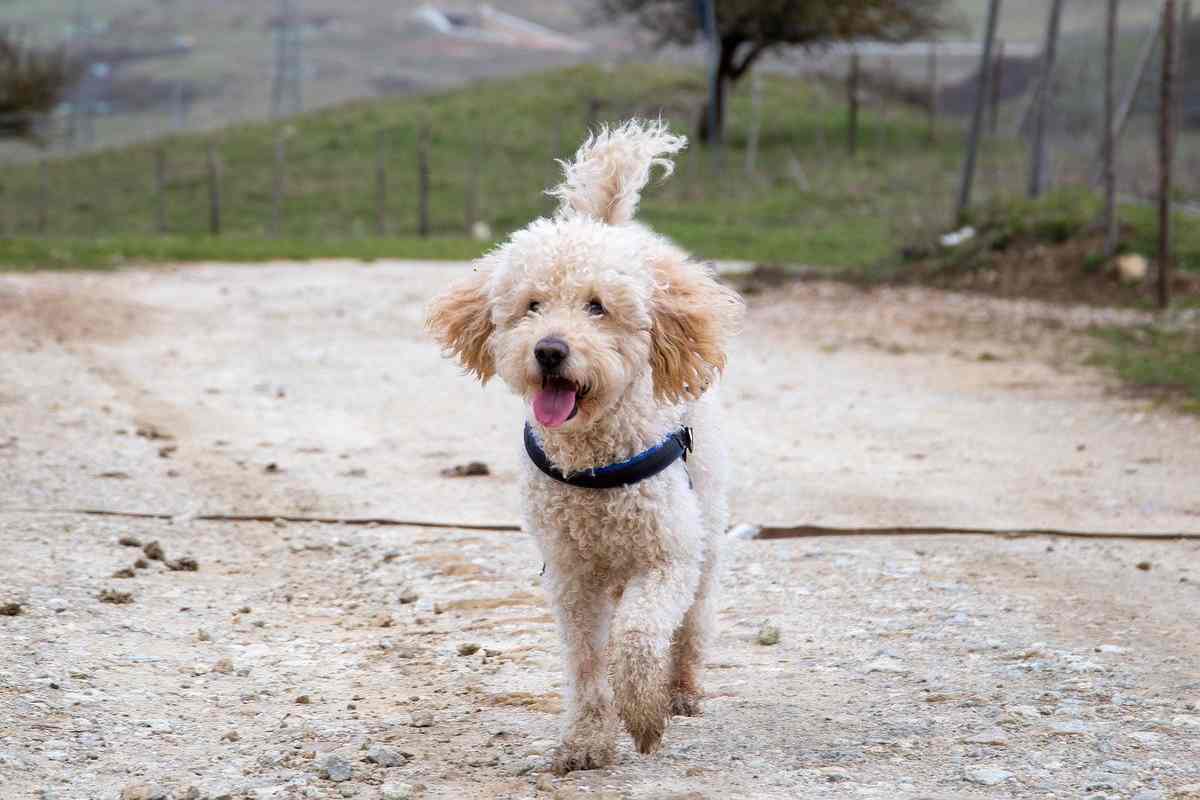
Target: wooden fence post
[(214, 191), (471, 185), (1037, 160), (934, 91), (852, 99), (981, 93), (381, 183), (160, 190), (997, 88), (755, 123), (43, 212), (1166, 153), (423, 138), (1109, 146), (278, 178)]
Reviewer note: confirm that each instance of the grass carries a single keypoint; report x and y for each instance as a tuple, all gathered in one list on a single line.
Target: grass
[(807, 203), (1161, 362)]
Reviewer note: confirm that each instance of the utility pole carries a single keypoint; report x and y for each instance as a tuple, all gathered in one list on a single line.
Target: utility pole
[(1037, 161), (286, 79), (981, 94)]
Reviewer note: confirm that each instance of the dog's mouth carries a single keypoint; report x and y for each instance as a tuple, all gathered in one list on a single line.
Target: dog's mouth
[(557, 401)]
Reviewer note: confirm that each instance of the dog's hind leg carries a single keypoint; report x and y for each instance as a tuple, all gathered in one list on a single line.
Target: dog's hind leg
[(650, 611), (687, 647), (584, 613)]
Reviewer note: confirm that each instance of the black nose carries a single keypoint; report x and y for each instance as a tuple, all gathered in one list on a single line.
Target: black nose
[(550, 353)]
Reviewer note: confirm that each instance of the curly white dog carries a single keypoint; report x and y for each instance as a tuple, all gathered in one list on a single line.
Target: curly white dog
[(616, 340)]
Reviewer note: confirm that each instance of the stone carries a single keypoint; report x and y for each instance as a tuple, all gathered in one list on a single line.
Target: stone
[(1132, 268), (992, 736), (223, 666), (887, 664), (1149, 794), (408, 596), (1110, 648), (385, 756), (987, 776), (115, 597), (1071, 727), (57, 605), (768, 634), (396, 791), (468, 649), (10, 609), (421, 719), (153, 551), (335, 768), (143, 791)]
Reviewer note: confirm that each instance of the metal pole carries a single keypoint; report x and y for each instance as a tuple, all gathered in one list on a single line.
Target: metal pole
[(1110, 170), (1037, 166), (1166, 154), (714, 88), (981, 93), (933, 92)]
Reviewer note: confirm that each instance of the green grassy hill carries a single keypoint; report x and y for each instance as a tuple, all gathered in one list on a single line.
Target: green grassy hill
[(806, 203), (493, 145)]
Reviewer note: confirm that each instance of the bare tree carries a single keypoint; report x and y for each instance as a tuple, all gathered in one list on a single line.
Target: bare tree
[(33, 81), (746, 29)]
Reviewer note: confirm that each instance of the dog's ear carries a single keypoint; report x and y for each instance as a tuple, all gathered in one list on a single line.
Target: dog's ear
[(606, 177), (460, 321), (693, 318)]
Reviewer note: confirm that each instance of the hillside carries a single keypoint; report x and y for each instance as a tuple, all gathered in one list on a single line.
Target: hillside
[(806, 203)]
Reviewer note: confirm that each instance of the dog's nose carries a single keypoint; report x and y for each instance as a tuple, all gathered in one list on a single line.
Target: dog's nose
[(550, 353)]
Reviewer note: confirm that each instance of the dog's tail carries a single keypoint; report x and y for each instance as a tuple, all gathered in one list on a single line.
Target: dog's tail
[(606, 179)]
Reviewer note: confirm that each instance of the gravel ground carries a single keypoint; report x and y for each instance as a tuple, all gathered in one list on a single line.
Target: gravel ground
[(314, 660)]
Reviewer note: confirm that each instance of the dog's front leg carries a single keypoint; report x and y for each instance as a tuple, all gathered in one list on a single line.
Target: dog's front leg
[(584, 612), (650, 610)]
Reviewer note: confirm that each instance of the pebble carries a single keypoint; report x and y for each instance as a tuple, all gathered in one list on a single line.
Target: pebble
[(992, 736), (408, 596), (386, 756), (524, 766), (468, 649), (1110, 648), (1071, 727), (223, 666), (346, 790), (421, 719), (57, 605), (768, 634), (987, 776), (1149, 794), (10, 609), (153, 551), (887, 664), (335, 768), (396, 791), (143, 791)]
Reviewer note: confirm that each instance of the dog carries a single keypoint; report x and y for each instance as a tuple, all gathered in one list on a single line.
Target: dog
[(616, 340)]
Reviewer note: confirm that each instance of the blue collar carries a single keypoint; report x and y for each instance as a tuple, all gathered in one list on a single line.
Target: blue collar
[(645, 464)]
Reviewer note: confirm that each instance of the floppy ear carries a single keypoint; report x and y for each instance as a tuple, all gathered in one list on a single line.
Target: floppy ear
[(693, 316), (460, 321)]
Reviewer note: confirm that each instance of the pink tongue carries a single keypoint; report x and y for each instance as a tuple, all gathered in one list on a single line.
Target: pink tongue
[(553, 406)]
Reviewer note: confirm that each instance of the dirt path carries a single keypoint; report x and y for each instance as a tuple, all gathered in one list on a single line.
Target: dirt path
[(911, 667)]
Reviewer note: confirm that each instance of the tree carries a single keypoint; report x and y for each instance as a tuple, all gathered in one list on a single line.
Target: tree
[(746, 29), (33, 81)]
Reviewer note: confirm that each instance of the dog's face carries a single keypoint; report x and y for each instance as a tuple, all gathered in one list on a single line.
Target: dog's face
[(573, 314)]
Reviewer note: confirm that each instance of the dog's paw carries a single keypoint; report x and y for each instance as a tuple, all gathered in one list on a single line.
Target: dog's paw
[(572, 756), (686, 704), (647, 734)]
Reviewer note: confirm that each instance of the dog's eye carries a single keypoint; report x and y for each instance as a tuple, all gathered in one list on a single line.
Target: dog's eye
[(534, 305), (596, 308)]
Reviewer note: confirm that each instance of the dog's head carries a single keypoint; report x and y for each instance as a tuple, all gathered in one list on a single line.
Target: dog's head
[(576, 311)]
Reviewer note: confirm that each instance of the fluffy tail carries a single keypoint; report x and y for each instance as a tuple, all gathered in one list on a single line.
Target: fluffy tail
[(612, 167)]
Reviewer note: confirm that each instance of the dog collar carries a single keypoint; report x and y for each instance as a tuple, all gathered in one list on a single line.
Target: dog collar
[(645, 464)]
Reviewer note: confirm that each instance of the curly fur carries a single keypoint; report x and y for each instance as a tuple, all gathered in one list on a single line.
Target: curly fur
[(630, 572)]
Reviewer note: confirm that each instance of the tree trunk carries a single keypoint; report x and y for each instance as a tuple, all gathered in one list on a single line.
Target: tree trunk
[(725, 76)]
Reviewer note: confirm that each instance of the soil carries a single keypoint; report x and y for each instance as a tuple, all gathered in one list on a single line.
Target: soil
[(931, 666)]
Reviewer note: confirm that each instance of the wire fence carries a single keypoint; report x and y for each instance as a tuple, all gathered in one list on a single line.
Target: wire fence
[(398, 184)]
